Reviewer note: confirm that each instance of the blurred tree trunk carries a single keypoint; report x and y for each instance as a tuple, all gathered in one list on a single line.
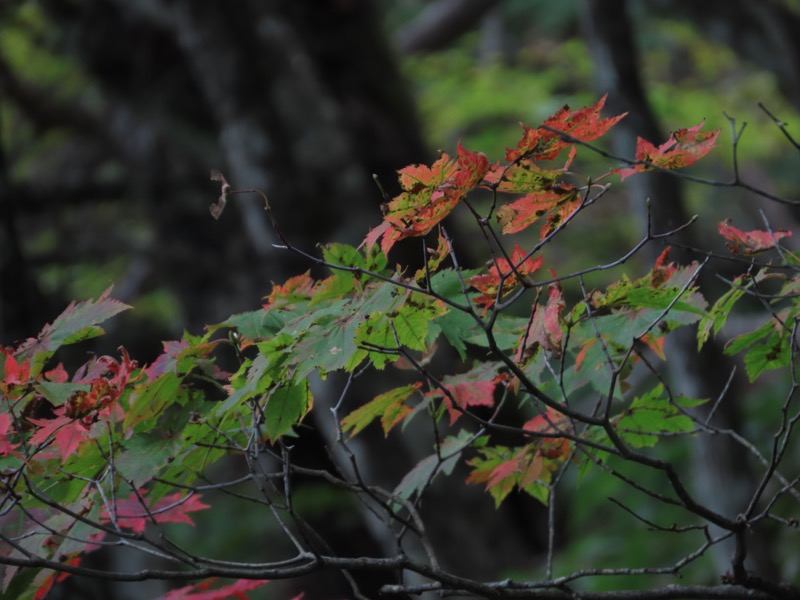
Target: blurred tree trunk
[(302, 102)]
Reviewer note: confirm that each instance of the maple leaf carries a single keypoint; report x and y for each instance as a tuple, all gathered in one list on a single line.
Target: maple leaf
[(383, 230), (6, 428), (429, 195), (78, 322), (472, 168), (14, 372), (502, 274), (544, 326), (522, 469), (131, 514), (296, 289), (663, 270), (750, 242), (67, 433), (563, 211), (473, 388), (545, 143), (525, 211), (502, 469), (415, 178), (57, 374), (201, 591), (522, 178), (683, 148), (551, 421)]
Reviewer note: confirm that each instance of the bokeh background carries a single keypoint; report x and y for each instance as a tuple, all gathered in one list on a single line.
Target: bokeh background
[(112, 114)]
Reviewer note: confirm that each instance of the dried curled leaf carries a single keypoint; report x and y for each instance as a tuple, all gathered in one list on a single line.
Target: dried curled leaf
[(217, 207)]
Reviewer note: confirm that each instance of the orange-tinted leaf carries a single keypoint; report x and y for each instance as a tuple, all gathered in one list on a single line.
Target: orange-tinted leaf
[(466, 390), (503, 469), (472, 167), (429, 195), (375, 234), (497, 469), (296, 289), (750, 242), (514, 469), (57, 374), (663, 270), (520, 214), (544, 144), (501, 273), (564, 210), (552, 421), (415, 178), (683, 148)]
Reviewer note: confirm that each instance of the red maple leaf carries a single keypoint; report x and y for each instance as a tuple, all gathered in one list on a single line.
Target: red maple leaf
[(423, 203), (544, 142), (472, 168), (551, 421), (568, 205), (750, 242), (14, 372), (57, 374), (683, 148), (465, 392), (502, 472), (429, 195), (132, 514), (67, 433), (523, 468), (522, 213), (502, 274), (201, 591), (663, 270), (296, 289), (544, 326), (6, 428), (77, 318)]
